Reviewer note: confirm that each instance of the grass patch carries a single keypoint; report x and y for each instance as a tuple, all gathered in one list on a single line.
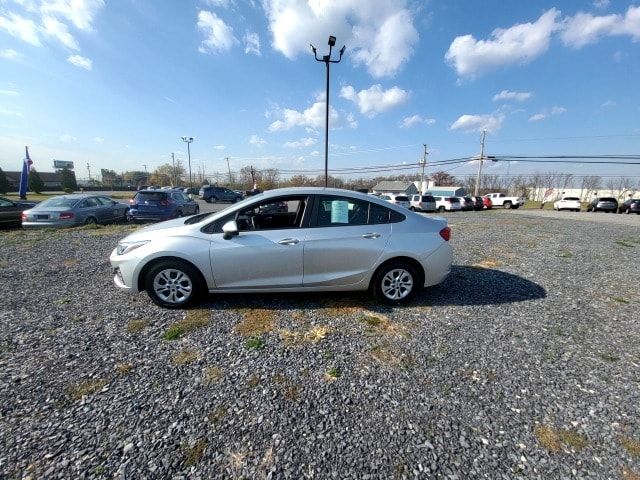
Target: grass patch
[(391, 356), (193, 320), (124, 368), (84, 389), (619, 300), (628, 474), (332, 374), (381, 324), (554, 439), (339, 308), (565, 254), (254, 343), (256, 322), (628, 242), (253, 381), (184, 357), (630, 445), (211, 375), (608, 357), (135, 326), (217, 415), (193, 454), (63, 301), (488, 263), (69, 262), (312, 335), (97, 230)]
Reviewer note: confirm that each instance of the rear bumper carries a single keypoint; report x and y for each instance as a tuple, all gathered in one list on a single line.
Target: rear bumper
[(48, 224), (437, 266)]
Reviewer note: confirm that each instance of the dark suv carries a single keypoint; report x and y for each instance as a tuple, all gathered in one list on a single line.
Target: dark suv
[(630, 206), (161, 205), (603, 204), (219, 194)]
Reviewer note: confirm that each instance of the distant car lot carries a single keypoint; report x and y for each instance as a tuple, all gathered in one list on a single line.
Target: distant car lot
[(523, 360)]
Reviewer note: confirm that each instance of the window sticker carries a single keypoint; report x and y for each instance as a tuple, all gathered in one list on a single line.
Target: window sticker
[(339, 211)]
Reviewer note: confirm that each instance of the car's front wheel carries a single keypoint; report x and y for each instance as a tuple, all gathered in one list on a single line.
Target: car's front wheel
[(506, 205), (395, 283), (173, 284), (441, 209)]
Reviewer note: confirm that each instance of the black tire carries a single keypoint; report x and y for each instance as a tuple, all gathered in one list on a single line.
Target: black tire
[(197, 210), (628, 211), (91, 221), (413, 209), (506, 205), (179, 214), (213, 199), (208, 200), (395, 283), (173, 284), (441, 209), (125, 216)]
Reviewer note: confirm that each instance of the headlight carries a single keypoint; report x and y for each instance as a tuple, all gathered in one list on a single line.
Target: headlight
[(126, 247)]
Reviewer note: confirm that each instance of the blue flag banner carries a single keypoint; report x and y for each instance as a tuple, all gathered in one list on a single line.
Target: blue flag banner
[(24, 176)]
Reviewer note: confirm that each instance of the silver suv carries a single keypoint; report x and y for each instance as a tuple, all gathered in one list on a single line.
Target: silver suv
[(423, 203)]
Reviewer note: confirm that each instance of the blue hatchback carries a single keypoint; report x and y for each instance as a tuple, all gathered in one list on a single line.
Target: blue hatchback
[(161, 205)]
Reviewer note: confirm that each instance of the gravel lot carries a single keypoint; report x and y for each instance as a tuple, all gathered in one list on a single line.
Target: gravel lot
[(525, 362)]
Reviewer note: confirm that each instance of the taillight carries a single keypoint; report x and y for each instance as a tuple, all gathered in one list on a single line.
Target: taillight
[(132, 201), (66, 215), (445, 233), (24, 217)]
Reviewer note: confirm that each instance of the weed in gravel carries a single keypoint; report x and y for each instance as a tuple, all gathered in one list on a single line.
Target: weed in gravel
[(83, 389), (327, 354), (124, 368), (217, 415), (332, 374), (134, 326), (256, 322), (211, 375), (100, 470), (381, 324), (391, 356), (184, 357), (193, 320), (628, 242), (488, 263), (565, 254), (630, 445), (193, 454), (608, 357), (292, 392), (63, 301), (254, 343), (253, 381), (552, 439), (628, 474), (69, 262), (620, 300), (339, 308), (312, 335)]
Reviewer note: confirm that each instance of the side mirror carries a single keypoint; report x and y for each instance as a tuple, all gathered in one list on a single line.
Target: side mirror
[(190, 196), (229, 230)]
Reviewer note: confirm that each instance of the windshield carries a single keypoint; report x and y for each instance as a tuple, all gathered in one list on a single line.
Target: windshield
[(58, 202)]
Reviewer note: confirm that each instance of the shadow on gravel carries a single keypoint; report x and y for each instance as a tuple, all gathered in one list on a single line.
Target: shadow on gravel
[(464, 286)]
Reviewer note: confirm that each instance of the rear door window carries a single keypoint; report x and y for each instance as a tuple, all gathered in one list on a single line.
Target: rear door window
[(150, 196)]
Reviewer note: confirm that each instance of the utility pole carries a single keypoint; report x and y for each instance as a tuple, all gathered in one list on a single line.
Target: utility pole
[(253, 178), (423, 163), (484, 132), (228, 168), (173, 162), (89, 170)]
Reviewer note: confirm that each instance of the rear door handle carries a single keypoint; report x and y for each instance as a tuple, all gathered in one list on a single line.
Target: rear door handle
[(371, 235), (289, 241)]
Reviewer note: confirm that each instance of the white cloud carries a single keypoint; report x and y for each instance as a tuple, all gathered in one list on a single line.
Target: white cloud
[(251, 43), (79, 12), (516, 96), (66, 138), (380, 33), (477, 123), (257, 141), (537, 117), (98, 139), (315, 153), (9, 54), (609, 104), (220, 3), (351, 120), (408, 122), (219, 147), (58, 30), (374, 100), (303, 142), (602, 4), (20, 27), (313, 117), (557, 110), (584, 28), (520, 43), (81, 62), (218, 35), (10, 93)]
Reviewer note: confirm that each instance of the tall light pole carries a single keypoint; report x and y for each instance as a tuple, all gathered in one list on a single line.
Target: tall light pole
[(188, 141), (327, 60), (484, 132), (423, 163)]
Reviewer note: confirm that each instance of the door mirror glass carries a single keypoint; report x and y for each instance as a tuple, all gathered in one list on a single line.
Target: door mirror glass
[(229, 230)]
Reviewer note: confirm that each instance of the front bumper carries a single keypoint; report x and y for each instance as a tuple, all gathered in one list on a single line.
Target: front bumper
[(123, 272)]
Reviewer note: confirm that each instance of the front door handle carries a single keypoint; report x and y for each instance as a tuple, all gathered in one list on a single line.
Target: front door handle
[(371, 235), (289, 241)]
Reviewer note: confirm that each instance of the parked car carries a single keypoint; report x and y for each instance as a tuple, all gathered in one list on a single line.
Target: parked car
[(213, 194), (567, 203), (161, 205), (74, 210), (466, 203), (478, 203), (449, 204), (191, 190), (327, 240), (400, 200), (630, 206), (11, 212), (487, 203), (504, 201), (423, 203), (603, 204)]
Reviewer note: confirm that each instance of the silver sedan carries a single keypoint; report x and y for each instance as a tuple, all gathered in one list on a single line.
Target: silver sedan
[(73, 210), (287, 240)]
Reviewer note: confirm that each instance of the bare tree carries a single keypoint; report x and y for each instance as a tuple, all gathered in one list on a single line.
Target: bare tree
[(624, 185), (590, 185), (535, 183), (611, 185)]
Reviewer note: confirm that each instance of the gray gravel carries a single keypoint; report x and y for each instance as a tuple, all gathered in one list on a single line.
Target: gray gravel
[(525, 362)]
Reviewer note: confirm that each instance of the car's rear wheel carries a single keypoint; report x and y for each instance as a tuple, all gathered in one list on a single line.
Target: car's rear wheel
[(91, 221), (507, 205), (395, 283), (173, 284), (179, 214), (213, 199), (441, 209)]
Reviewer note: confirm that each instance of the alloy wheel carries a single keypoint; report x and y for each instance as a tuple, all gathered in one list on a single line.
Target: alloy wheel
[(397, 284), (172, 286)]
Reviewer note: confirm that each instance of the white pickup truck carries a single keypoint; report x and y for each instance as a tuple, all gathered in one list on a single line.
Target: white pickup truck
[(502, 200)]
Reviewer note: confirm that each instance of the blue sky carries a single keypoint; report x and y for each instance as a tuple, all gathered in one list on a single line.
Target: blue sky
[(116, 84)]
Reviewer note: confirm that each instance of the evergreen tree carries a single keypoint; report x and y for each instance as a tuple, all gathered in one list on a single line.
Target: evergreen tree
[(4, 183), (68, 181), (35, 182)]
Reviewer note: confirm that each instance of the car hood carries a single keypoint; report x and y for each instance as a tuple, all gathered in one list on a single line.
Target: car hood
[(170, 227)]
